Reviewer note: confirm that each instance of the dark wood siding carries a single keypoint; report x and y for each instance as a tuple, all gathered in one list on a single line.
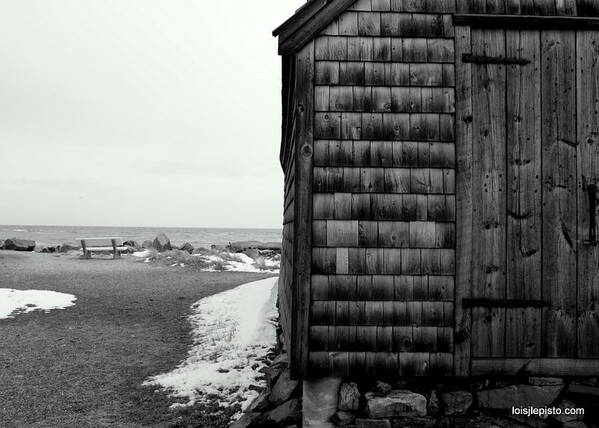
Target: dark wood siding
[(528, 158), (530, 7), (296, 159), (405, 254), (383, 231), (288, 165)]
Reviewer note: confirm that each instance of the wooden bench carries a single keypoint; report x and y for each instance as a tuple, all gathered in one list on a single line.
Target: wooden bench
[(102, 245)]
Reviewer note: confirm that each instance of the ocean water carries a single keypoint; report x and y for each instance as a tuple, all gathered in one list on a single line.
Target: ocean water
[(198, 237)]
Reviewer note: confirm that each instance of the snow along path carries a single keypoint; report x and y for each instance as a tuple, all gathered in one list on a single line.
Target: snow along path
[(16, 302), (232, 333)]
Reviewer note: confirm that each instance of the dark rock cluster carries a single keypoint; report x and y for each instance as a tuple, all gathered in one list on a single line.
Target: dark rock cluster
[(279, 405), (16, 244), (426, 403)]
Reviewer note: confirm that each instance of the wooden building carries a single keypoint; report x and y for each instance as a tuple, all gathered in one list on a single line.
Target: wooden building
[(441, 161)]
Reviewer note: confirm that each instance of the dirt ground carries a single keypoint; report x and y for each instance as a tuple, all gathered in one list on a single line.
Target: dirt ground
[(83, 366)]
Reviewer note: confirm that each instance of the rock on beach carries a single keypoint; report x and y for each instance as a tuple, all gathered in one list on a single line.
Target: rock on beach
[(187, 247), (162, 243), (396, 403), (515, 395), (17, 244), (67, 246), (241, 246)]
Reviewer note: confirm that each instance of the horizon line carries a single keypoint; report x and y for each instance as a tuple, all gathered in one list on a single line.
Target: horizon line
[(143, 227)]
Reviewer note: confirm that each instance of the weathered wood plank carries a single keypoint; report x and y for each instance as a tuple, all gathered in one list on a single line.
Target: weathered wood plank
[(380, 313), (486, 59), (588, 172), (536, 366), (302, 243), (378, 73), (523, 326), (414, 363), (327, 125), (365, 5), (324, 261), (488, 193), (389, 365), (326, 73), (388, 180), (369, 24), (381, 5), (341, 233), (558, 91), (521, 22), (384, 49)]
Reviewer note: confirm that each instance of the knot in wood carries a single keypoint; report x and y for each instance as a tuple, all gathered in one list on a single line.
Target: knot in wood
[(307, 151)]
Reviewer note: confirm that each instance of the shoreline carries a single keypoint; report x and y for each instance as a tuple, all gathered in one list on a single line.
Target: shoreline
[(240, 256), (198, 236)]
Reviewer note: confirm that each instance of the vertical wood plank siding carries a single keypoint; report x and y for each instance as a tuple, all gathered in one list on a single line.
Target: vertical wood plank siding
[(383, 230), (285, 285), (558, 94), (302, 245), (524, 225), (588, 170), (464, 220), (488, 193), (523, 330)]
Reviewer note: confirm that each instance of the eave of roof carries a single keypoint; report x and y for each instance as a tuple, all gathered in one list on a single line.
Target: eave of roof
[(307, 22)]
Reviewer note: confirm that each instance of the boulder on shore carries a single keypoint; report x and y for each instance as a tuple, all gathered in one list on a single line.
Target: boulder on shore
[(17, 244), (283, 388), (241, 246), (132, 244), (67, 246), (456, 402), (343, 418), (42, 248), (162, 243), (349, 397), (285, 414), (187, 247), (518, 395), (396, 404), (373, 423), (320, 401)]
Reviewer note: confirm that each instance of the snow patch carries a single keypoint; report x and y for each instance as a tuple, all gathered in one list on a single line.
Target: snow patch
[(142, 254), (238, 262), (16, 302), (232, 332)]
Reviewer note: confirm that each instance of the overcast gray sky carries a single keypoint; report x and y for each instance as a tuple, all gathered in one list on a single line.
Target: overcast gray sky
[(140, 112)]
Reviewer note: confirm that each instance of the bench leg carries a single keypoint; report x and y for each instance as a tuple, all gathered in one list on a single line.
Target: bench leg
[(86, 254), (115, 252)]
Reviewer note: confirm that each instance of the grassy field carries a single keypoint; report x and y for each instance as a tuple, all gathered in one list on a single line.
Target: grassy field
[(83, 366)]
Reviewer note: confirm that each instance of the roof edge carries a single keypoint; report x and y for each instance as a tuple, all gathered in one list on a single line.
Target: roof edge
[(307, 22), (298, 13)]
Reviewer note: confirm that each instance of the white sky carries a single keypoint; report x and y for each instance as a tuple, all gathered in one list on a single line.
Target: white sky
[(140, 112)]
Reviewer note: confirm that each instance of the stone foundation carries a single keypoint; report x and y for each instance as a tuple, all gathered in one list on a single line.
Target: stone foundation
[(420, 402)]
